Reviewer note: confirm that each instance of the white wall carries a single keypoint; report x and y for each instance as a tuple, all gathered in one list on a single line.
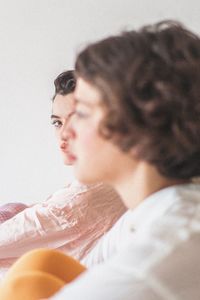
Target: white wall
[(38, 40)]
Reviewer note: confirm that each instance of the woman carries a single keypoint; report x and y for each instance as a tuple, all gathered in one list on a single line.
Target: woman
[(72, 219), (137, 108)]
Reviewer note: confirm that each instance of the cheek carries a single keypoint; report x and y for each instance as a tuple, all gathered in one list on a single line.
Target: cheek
[(57, 134), (89, 140)]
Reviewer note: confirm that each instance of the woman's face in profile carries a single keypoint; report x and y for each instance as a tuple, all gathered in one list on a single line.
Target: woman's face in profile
[(62, 110)]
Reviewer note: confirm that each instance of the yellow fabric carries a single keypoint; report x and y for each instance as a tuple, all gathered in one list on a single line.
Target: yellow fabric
[(39, 274)]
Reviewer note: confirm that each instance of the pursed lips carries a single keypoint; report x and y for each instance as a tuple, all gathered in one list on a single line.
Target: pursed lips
[(65, 148)]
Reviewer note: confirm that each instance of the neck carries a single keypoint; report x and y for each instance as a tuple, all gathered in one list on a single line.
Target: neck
[(141, 183)]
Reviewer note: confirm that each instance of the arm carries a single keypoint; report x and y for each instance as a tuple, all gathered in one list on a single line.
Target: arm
[(9, 210), (71, 220), (36, 226)]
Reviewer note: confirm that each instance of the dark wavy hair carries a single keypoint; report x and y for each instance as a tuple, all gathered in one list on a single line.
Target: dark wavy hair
[(65, 83), (150, 85)]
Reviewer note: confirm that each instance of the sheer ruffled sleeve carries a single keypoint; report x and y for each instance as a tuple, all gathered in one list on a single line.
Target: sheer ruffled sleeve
[(72, 220), (7, 211)]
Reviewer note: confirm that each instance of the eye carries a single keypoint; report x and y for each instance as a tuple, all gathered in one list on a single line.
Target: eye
[(56, 123), (80, 114)]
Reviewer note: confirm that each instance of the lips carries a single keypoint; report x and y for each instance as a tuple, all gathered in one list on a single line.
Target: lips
[(65, 149), (71, 157)]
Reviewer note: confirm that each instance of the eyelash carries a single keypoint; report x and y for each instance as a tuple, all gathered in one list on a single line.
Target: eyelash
[(56, 123)]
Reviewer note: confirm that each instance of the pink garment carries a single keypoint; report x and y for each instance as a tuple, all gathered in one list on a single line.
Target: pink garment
[(9, 210), (71, 220)]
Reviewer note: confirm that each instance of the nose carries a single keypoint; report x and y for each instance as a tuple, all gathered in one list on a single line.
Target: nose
[(64, 132), (67, 131), (71, 130)]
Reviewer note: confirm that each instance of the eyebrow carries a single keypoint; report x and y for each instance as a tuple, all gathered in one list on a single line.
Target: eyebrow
[(60, 117), (77, 100), (54, 116), (81, 101)]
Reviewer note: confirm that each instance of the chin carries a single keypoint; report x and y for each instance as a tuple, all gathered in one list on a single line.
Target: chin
[(85, 177), (85, 180), (67, 162)]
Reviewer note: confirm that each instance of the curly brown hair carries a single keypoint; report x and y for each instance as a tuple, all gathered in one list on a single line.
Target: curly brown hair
[(65, 83), (150, 85)]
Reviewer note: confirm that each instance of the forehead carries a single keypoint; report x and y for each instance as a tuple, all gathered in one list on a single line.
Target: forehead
[(63, 104), (86, 93)]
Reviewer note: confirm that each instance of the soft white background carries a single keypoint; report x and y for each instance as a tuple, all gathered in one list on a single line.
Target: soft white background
[(38, 40)]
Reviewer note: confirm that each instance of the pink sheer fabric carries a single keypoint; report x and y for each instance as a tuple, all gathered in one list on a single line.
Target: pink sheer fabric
[(9, 210), (71, 220)]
